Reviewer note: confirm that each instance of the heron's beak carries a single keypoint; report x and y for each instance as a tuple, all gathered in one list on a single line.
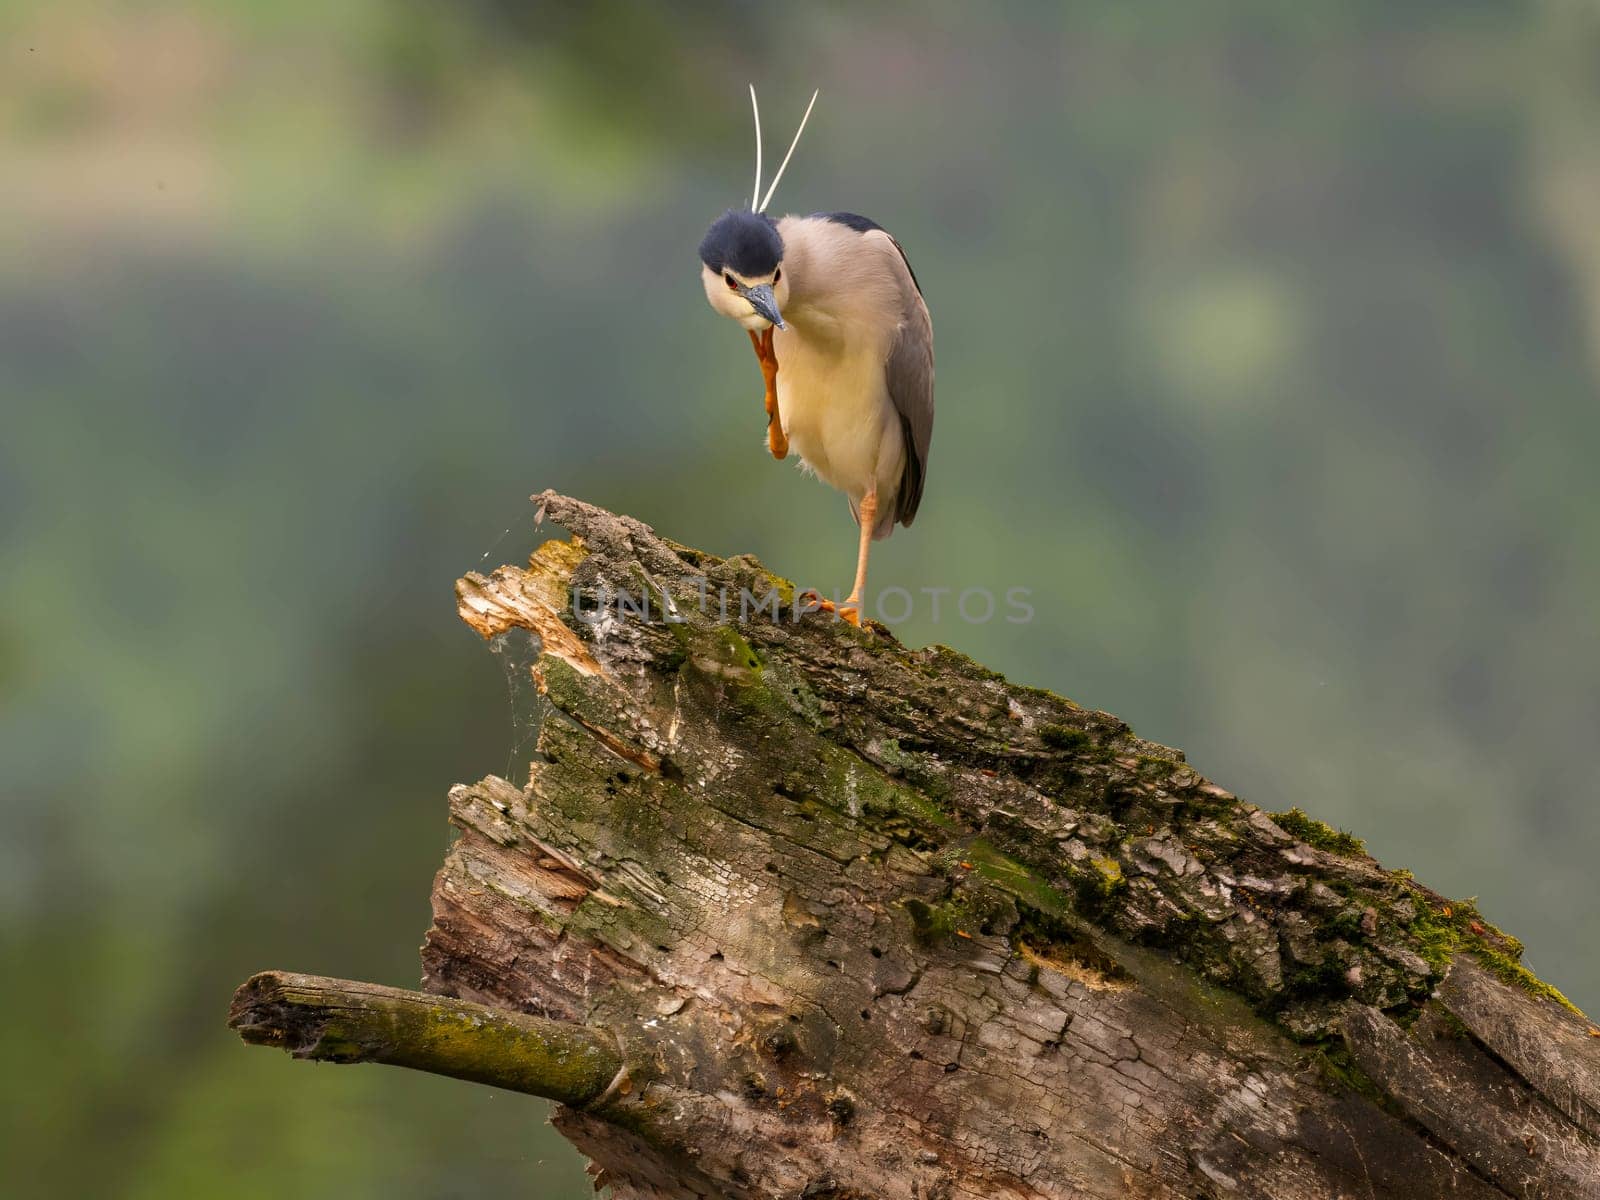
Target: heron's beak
[(762, 300)]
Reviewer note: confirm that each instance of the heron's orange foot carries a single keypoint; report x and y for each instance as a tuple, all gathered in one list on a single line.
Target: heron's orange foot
[(776, 441), (765, 354), (848, 610)]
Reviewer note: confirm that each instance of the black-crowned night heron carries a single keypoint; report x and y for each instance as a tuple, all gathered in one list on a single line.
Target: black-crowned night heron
[(832, 297)]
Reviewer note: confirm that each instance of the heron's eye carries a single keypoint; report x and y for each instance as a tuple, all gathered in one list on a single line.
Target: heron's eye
[(777, 275), (732, 283)]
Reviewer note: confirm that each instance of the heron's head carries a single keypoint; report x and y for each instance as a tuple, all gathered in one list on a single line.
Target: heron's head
[(741, 266)]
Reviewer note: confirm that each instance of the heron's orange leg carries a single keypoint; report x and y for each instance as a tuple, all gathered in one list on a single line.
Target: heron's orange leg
[(776, 441), (850, 608), (869, 519)]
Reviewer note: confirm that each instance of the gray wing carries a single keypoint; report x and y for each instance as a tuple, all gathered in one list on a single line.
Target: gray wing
[(909, 375)]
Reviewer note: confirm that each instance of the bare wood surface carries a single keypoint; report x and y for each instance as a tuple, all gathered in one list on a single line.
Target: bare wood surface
[(1472, 1104), (1553, 1048), (881, 924)]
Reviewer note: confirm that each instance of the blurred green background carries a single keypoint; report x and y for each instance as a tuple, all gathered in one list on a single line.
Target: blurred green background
[(1268, 339)]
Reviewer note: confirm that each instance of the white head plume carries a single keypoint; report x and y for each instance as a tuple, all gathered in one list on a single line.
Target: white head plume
[(773, 187), (755, 108)]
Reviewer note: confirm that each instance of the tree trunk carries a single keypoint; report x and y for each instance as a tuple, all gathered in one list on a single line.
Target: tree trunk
[(803, 913)]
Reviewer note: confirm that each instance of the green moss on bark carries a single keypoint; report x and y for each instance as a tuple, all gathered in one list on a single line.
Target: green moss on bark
[(1317, 833)]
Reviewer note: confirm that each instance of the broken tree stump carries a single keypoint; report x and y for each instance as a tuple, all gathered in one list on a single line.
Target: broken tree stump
[(781, 908)]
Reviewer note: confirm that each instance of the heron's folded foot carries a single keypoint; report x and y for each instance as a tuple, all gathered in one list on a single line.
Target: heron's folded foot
[(847, 610), (777, 442)]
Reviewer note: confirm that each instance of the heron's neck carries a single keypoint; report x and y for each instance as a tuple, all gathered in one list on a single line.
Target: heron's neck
[(838, 291), (805, 266)]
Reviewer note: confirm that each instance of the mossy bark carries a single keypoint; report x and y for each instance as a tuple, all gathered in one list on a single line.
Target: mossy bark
[(872, 922), (344, 1021)]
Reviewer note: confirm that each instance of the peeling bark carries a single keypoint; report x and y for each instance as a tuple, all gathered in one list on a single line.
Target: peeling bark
[(872, 922)]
